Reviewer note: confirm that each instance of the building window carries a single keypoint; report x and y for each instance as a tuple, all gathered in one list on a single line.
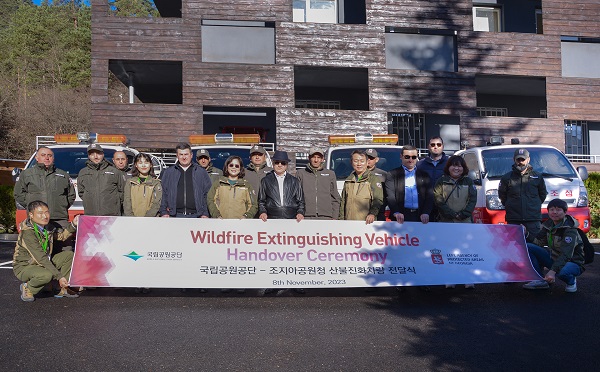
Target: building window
[(330, 11), (486, 19), (579, 56), (418, 49), (576, 137), (145, 9), (238, 42), (410, 129), (318, 11)]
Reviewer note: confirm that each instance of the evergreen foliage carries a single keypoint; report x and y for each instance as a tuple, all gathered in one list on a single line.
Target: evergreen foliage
[(593, 188)]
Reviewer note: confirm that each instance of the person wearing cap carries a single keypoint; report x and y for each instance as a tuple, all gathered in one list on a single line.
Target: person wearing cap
[(100, 185), (257, 169), (563, 256), (203, 159), (522, 191), (372, 160), (362, 195), (280, 195), (434, 165), (185, 187), (409, 190), (49, 184), (321, 196)]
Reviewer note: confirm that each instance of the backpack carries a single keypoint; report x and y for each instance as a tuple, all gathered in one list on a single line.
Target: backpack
[(588, 248)]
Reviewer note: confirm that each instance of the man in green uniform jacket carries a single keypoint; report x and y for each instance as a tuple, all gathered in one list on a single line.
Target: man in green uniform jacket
[(33, 262), (100, 185)]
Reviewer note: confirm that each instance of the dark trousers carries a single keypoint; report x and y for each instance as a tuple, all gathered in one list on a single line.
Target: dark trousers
[(412, 215)]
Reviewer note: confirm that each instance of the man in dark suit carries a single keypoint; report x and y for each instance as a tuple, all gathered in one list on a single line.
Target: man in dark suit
[(409, 190)]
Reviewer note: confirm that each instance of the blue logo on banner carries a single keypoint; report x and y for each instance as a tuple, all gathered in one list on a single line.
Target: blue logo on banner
[(134, 256)]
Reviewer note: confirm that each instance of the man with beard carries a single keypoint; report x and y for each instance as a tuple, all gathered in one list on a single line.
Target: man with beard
[(522, 191)]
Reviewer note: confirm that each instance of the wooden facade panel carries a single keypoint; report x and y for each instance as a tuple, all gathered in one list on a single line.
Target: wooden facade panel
[(246, 10), (441, 14), (337, 45), (573, 99), (478, 130), (571, 18), (509, 53), (238, 85), (299, 129), (148, 126), (442, 93)]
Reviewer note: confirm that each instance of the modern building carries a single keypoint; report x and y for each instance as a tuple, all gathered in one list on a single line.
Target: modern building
[(298, 70)]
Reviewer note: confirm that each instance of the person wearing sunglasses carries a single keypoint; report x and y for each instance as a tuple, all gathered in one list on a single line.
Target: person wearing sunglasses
[(232, 197), (362, 195), (280, 195), (409, 189), (434, 165)]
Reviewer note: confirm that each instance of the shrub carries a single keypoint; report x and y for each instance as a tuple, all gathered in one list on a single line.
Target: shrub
[(7, 209), (593, 188)]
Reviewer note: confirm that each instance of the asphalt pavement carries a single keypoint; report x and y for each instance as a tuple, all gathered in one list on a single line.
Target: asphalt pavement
[(494, 327)]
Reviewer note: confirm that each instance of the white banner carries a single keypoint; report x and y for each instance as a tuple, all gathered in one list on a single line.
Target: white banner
[(215, 253)]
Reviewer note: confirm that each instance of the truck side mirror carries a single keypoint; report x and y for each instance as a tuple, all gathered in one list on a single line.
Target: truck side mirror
[(583, 173), (474, 175)]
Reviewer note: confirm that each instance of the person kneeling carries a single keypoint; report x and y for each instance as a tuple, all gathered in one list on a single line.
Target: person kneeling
[(33, 262), (564, 256)]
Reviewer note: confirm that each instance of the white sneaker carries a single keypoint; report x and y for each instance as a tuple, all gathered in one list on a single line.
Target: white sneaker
[(571, 288), (470, 286), (450, 286), (537, 284)]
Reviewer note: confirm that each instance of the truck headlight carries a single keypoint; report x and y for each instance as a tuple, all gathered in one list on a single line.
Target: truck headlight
[(492, 200), (582, 201)]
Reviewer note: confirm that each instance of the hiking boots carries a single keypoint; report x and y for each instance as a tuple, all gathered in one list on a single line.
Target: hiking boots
[(26, 294), (66, 292)]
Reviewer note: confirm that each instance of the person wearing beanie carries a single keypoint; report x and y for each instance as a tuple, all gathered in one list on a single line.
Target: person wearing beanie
[(563, 256)]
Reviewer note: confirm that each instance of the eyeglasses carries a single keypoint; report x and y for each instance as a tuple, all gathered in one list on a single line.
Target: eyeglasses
[(278, 162), (231, 165), (413, 157), (435, 144)]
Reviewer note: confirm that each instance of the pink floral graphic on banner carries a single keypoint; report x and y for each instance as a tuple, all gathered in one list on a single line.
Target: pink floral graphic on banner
[(509, 244), (89, 267)]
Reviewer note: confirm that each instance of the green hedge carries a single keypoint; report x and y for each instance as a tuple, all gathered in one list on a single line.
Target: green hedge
[(593, 188), (7, 209)]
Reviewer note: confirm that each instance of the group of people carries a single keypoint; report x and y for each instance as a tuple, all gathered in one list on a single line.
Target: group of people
[(434, 189)]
